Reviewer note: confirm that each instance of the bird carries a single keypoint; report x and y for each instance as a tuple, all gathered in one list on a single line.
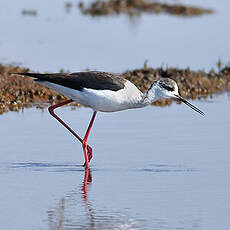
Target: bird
[(104, 92)]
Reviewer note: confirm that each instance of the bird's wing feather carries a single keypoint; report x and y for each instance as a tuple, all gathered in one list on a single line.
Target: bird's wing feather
[(80, 80)]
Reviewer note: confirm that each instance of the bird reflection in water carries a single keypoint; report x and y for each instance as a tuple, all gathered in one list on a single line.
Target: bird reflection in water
[(87, 180), (56, 218), (69, 214)]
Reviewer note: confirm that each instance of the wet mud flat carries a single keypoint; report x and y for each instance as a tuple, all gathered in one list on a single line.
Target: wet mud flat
[(17, 92), (136, 7)]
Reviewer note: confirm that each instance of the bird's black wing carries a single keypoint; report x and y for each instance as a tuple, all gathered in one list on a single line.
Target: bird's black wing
[(80, 80)]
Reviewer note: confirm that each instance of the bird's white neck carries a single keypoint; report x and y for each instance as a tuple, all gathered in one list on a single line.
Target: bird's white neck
[(150, 95)]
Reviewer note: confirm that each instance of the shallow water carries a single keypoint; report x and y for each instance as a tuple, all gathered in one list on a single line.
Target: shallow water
[(153, 168), (57, 38)]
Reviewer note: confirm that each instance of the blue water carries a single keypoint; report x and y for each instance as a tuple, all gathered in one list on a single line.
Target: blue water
[(153, 168), (57, 38)]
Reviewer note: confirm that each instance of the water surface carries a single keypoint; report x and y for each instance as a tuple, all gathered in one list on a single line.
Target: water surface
[(57, 38), (153, 168)]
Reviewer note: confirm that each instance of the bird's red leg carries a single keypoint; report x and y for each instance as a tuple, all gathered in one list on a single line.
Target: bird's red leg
[(84, 142), (51, 111)]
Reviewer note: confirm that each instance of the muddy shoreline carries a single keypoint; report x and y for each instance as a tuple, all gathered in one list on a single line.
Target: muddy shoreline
[(18, 92)]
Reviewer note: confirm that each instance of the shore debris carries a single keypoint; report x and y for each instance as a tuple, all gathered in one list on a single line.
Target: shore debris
[(17, 92), (136, 7), (29, 12), (68, 6)]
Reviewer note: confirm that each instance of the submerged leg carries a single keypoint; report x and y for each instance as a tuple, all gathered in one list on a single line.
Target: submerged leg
[(51, 111), (85, 146)]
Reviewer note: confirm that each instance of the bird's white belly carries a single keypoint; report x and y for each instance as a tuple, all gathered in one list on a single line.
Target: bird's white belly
[(104, 100), (101, 100)]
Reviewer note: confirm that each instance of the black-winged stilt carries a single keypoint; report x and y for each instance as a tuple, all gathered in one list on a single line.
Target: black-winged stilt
[(104, 92)]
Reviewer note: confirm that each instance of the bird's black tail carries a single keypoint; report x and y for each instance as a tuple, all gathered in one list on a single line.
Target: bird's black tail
[(37, 76)]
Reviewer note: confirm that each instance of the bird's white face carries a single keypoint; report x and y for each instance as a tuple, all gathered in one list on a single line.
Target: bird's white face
[(167, 88)]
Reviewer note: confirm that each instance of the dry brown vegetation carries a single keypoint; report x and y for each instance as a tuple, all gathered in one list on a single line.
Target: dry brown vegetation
[(17, 92), (136, 7)]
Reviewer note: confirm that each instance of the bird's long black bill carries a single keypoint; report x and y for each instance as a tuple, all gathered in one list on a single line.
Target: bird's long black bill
[(189, 104)]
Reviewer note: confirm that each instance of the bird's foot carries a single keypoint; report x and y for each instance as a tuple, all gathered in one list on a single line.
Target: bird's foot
[(89, 154)]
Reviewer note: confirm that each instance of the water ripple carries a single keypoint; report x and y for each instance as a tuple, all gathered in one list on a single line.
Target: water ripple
[(156, 168), (51, 167)]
